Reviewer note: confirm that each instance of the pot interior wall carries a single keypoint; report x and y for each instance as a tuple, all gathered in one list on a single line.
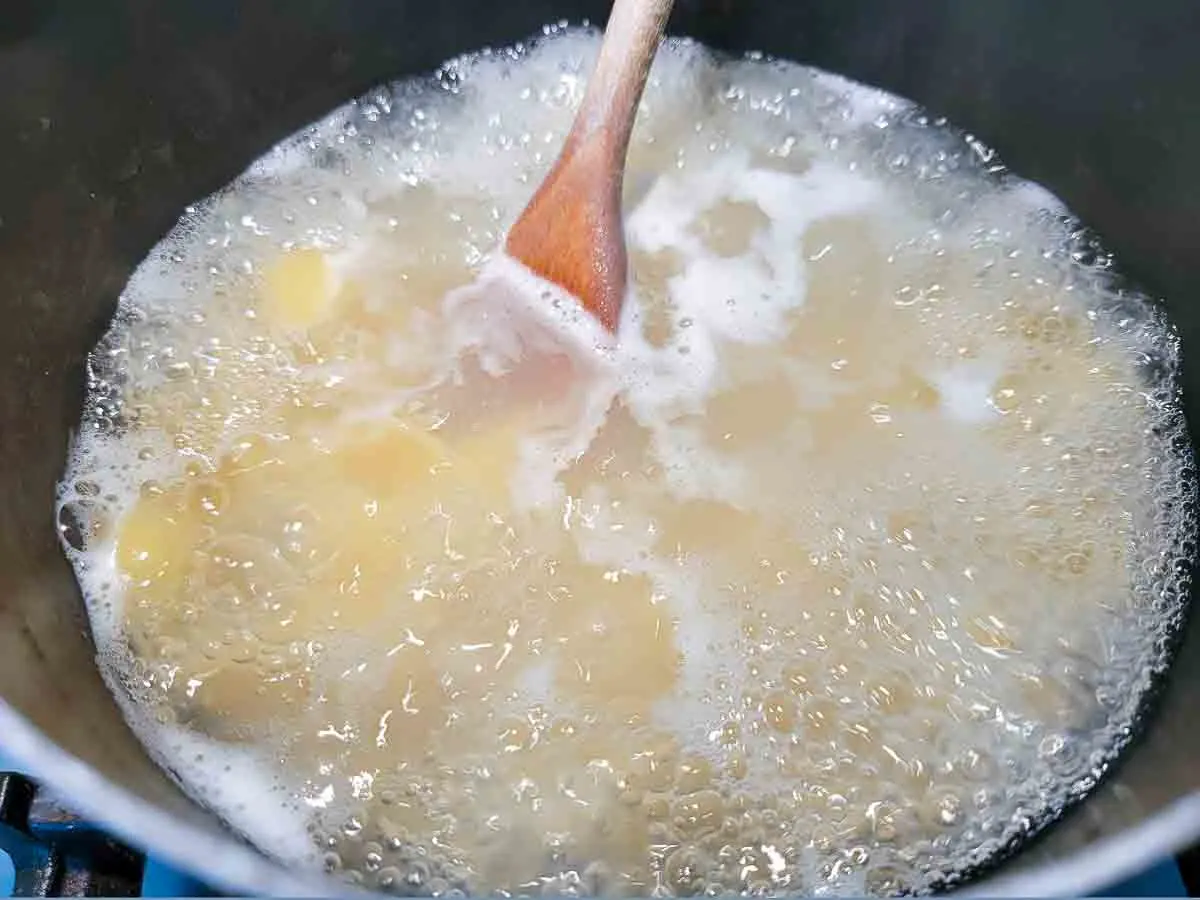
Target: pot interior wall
[(114, 114)]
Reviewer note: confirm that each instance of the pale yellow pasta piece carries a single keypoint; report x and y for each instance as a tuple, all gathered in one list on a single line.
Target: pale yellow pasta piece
[(299, 290)]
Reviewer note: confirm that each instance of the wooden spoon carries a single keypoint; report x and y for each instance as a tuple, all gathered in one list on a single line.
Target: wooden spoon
[(571, 232)]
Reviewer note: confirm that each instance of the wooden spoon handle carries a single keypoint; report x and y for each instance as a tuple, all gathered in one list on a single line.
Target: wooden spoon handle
[(631, 39)]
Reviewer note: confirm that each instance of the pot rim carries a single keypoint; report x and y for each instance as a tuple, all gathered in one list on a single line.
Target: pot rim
[(1104, 862)]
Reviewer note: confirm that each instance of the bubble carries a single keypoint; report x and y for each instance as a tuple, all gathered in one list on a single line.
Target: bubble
[(389, 879), (949, 810), (83, 524)]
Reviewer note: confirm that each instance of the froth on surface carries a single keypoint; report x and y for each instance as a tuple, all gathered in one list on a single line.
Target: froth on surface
[(847, 567)]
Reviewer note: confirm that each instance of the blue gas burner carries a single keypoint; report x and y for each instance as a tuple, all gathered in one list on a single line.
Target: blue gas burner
[(48, 851)]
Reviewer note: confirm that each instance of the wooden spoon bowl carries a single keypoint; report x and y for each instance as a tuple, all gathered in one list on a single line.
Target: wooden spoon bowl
[(572, 233)]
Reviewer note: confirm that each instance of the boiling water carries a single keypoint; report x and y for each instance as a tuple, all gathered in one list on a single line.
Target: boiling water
[(847, 569)]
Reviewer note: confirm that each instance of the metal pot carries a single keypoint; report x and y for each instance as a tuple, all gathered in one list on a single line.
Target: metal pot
[(115, 114)]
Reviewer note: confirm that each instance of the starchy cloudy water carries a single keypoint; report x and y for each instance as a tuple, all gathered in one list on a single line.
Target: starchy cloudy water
[(845, 569)]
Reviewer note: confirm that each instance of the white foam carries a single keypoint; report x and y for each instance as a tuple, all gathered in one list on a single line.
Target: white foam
[(232, 779), (966, 394), (863, 105)]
